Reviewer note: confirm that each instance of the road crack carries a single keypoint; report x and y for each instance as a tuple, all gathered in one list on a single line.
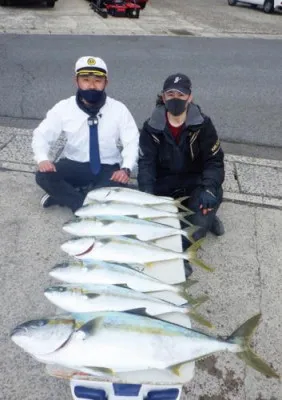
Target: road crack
[(258, 258)]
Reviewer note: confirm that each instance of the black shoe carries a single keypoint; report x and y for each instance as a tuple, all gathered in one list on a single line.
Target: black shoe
[(217, 227), (48, 201), (200, 233)]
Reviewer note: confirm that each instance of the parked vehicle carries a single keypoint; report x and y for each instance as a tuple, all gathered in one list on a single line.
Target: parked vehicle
[(268, 5), (49, 3), (118, 8)]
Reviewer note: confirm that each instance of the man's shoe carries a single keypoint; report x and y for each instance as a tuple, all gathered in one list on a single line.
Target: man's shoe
[(48, 201), (217, 227)]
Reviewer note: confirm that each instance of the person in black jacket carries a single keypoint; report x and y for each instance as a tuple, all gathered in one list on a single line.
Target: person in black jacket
[(180, 155)]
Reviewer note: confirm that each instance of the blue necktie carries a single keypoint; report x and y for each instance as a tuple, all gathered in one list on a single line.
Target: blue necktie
[(95, 162)]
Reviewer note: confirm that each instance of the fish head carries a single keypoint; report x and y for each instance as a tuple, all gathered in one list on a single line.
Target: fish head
[(65, 291), (91, 209), (99, 194), (65, 270), (43, 336), (81, 226), (79, 246)]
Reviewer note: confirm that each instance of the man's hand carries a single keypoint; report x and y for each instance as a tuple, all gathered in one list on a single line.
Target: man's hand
[(207, 200), (120, 176), (46, 166)]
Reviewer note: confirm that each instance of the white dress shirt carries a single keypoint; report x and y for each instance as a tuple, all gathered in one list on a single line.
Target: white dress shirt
[(118, 134)]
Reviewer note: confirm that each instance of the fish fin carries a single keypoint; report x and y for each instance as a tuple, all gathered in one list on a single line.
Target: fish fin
[(138, 311), (91, 295), (201, 320), (182, 217), (104, 222), (130, 236), (175, 369), (97, 371), (195, 303), (122, 285), (191, 251), (178, 203), (184, 214), (78, 323), (185, 285), (242, 336), (198, 301)]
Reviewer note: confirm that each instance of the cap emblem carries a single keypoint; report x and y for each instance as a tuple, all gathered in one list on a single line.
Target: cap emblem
[(91, 61)]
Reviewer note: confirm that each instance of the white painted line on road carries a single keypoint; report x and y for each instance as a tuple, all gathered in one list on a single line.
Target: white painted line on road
[(254, 161), (251, 199)]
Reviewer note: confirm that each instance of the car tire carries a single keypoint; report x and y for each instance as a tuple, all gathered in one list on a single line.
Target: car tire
[(50, 3), (232, 2), (142, 6), (268, 6)]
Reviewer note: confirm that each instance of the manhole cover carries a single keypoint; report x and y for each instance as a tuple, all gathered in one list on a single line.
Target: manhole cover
[(183, 32)]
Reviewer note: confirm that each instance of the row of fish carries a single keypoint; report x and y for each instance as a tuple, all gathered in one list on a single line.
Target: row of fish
[(114, 322)]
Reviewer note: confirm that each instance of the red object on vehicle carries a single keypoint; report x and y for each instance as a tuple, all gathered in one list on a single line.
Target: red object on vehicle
[(123, 8), (118, 8)]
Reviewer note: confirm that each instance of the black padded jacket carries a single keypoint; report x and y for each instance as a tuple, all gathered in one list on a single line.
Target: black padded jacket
[(197, 155)]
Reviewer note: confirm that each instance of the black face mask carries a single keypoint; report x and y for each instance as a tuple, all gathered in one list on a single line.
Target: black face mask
[(92, 96), (175, 106)]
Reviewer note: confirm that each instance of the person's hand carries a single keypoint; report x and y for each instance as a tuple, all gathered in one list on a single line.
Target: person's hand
[(120, 176), (46, 166), (207, 200)]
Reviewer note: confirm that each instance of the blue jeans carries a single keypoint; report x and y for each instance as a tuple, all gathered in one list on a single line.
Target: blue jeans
[(62, 185)]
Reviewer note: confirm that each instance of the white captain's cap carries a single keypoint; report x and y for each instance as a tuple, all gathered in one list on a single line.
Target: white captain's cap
[(91, 65)]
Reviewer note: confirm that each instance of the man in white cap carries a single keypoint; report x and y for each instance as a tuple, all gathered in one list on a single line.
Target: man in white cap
[(101, 140)]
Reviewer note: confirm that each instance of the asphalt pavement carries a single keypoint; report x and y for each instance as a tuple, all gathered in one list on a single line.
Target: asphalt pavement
[(235, 81)]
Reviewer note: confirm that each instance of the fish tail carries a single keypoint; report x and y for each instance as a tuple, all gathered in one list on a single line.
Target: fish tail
[(191, 307), (192, 256), (188, 232), (182, 288), (182, 216), (178, 202), (242, 337)]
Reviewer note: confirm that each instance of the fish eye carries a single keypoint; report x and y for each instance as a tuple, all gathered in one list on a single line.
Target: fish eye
[(41, 322), (62, 289)]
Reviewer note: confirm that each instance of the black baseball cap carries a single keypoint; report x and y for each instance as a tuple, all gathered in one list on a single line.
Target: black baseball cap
[(179, 82)]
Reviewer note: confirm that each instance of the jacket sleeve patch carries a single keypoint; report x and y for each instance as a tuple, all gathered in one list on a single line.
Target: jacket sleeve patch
[(157, 140), (215, 148)]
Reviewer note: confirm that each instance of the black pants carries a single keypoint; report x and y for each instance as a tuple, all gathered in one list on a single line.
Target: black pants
[(62, 185), (177, 186)]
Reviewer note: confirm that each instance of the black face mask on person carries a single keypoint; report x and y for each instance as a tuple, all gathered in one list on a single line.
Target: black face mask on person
[(176, 106), (92, 96)]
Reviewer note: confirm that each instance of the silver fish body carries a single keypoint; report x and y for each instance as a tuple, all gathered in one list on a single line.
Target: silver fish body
[(121, 208), (94, 298), (132, 196), (128, 342), (123, 249), (100, 272), (123, 225)]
